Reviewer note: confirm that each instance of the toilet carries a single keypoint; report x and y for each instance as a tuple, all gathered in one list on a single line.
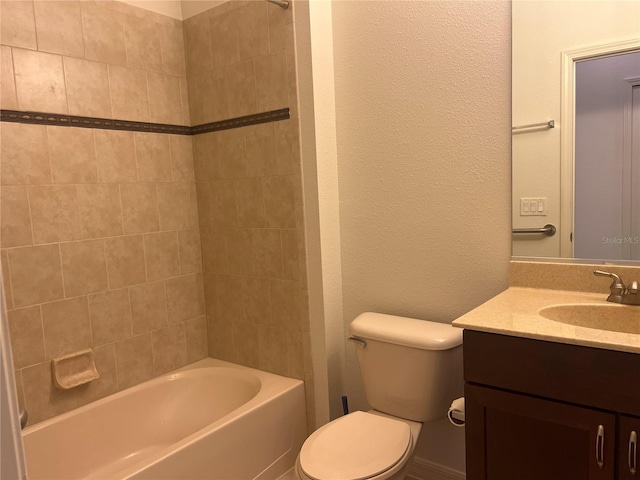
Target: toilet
[(411, 370)]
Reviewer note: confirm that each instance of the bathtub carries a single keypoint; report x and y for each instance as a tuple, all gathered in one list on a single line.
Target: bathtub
[(209, 420)]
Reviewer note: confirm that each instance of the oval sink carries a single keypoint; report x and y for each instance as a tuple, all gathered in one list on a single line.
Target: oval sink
[(611, 317)]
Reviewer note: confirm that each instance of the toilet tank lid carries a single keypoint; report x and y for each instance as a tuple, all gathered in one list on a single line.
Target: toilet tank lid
[(408, 332)]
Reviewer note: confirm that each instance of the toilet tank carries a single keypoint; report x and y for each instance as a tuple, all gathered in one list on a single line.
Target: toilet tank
[(410, 368)]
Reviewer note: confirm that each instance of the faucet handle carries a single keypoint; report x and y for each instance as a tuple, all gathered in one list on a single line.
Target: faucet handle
[(633, 288), (617, 286)]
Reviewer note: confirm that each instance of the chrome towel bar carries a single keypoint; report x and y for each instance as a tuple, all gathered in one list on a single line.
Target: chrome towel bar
[(549, 124), (549, 230)]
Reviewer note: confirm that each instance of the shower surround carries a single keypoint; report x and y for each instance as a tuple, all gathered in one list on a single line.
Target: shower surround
[(154, 249)]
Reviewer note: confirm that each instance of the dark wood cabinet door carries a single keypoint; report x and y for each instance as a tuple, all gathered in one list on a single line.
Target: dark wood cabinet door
[(628, 452), (520, 437)]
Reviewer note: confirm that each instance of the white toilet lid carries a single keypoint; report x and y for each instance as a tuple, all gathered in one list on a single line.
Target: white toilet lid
[(357, 446)]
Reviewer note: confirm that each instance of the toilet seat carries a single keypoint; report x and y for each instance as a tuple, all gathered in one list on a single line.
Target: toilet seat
[(357, 446)]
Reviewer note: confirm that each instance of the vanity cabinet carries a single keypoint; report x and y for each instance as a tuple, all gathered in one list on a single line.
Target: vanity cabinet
[(540, 410)]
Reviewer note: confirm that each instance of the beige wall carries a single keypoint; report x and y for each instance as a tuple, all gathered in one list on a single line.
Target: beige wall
[(240, 61), (422, 95), (100, 240), (536, 96)]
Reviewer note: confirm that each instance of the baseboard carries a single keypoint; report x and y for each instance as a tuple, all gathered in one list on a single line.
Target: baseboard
[(421, 469)]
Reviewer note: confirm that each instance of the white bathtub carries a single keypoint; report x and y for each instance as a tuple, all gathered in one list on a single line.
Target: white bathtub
[(209, 420)]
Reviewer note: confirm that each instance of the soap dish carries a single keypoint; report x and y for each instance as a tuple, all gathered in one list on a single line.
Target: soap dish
[(73, 370)]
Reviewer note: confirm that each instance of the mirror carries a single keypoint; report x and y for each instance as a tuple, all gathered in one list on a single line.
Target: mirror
[(576, 159)]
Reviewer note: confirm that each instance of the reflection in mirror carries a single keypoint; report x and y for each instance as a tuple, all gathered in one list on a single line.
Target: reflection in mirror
[(561, 50)]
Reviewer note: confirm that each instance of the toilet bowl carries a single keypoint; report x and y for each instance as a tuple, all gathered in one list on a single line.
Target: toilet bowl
[(411, 370), (358, 446)]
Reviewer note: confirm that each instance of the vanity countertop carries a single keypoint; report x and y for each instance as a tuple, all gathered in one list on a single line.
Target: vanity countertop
[(515, 312)]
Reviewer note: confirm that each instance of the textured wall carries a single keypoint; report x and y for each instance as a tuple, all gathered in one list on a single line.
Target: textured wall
[(99, 235), (423, 128)]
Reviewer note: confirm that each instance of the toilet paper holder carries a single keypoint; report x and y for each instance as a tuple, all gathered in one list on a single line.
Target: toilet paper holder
[(456, 412)]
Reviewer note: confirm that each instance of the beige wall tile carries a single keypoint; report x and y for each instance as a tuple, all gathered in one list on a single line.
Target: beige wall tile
[(279, 202), (17, 24), (246, 344), (230, 154), (27, 337), (8, 98), (295, 354), (87, 88), (250, 202), (267, 252), (290, 254), (116, 156), (148, 307), (15, 217), (205, 152), (134, 360), (181, 147), (209, 281), (220, 337), (256, 299), (239, 251), (273, 350), (253, 30), (129, 98), (287, 146), (197, 35), (272, 91), (229, 302), (84, 267), (224, 39), (100, 211), (54, 213), (185, 298), (139, 207), (285, 304), (169, 349), (261, 150), (241, 89), (279, 28), (107, 383), (72, 154), (173, 51), (110, 314), (184, 97), (214, 251), (66, 326), (195, 331), (6, 279), (161, 255), (41, 398), (103, 34), (142, 40), (24, 153), (125, 261), (204, 198), (165, 103), (59, 27), (224, 209), (39, 81), (190, 251), (201, 99), (174, 204), (153, 156)]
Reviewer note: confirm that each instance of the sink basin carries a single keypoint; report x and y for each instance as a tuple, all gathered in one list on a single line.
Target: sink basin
[(611, 317)]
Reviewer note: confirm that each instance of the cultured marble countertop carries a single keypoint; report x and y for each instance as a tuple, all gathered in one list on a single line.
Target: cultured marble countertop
[(515, 312)]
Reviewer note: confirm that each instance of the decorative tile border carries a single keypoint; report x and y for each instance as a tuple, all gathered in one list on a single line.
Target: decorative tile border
[(39, 118), (265, 117)]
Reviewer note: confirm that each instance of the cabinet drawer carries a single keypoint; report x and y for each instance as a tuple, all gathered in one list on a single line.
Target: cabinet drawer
[(592, 377)]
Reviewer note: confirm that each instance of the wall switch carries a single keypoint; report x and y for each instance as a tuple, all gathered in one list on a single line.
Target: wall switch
[(533, 206)]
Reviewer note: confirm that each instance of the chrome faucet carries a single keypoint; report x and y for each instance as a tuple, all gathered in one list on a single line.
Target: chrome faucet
[(619, 292)]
